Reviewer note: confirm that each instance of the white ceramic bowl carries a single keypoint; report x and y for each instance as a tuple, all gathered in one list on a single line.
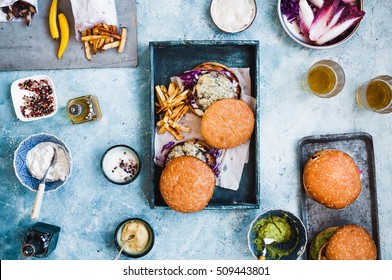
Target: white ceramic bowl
[(223, 22), (17, 97)]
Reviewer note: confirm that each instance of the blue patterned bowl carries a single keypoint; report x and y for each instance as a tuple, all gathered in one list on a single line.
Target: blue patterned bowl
[(20, 166), (295, 246)]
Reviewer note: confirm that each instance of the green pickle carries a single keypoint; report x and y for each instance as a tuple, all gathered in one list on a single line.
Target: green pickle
[(276, 228), (84, 109)]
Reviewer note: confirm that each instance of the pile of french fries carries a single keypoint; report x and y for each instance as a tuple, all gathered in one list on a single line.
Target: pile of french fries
[(171, 106), (103, 37)]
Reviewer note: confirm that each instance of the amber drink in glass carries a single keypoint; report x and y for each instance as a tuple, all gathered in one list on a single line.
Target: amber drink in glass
[(325, 79)]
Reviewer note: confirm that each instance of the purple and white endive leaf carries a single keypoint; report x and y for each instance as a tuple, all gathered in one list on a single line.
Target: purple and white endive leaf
[(317, 3), (340, 27), (306, 16), (322, 19), (336, 17)]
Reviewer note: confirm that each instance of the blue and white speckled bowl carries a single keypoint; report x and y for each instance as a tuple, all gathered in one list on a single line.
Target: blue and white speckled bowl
[(20, 166), (298, 240)]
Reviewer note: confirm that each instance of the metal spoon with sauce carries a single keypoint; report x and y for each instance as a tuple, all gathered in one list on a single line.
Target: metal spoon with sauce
[(123, 246), (267, 241)]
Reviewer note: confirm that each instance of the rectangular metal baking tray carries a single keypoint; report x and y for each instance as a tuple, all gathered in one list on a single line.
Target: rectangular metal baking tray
[(32, 48), (171, 58), (363, 211)]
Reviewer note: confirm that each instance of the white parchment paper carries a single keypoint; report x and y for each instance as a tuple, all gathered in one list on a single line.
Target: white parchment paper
[(88, 13), (231, 161)]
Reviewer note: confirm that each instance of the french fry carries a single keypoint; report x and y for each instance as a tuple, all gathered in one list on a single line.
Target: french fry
[(112, 45), (114, 28), (103, 37), (161, 97), (123, 40), (93, 37), (87, 49), (102, 31), (172, 106), (177, 135)]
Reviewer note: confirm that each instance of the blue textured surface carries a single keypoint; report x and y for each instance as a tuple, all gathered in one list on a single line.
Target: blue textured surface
[(89, 208)]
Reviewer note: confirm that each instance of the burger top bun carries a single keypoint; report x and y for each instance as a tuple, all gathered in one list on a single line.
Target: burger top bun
[(227, 123), (215, 66), (187, 184), (332, 178), (351, 242)]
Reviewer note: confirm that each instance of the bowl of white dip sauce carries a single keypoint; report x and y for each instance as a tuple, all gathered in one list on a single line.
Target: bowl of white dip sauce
[(233, 16), (33, 157), (120, 164)]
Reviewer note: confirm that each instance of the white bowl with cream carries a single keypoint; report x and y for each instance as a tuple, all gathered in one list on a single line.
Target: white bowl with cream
[(120, 164), (233, 16)]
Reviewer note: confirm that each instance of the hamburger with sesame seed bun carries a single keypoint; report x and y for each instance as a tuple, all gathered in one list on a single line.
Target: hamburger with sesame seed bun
[(187, 184), (349, 242), (227, 123), (332, 178)]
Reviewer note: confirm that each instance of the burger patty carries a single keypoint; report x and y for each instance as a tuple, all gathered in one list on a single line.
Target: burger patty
[(186, 149), (211, 87)]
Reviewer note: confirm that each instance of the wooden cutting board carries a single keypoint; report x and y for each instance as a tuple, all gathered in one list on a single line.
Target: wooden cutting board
[(31, 47)]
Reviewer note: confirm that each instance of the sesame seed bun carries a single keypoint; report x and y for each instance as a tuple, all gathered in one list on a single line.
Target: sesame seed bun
[(187, 184), (351, 242), (227, 123), (332, 178)]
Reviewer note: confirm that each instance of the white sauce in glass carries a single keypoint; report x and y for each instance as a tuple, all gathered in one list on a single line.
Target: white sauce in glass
[(233, 15), (120, 164)]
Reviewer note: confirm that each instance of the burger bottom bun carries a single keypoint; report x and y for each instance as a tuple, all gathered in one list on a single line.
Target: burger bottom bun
[(227, 123), (187, 184), (319, 242), (351, 242)]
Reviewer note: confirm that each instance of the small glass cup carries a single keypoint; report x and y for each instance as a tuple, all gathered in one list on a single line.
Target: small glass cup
[(325, 79), (376, 95)]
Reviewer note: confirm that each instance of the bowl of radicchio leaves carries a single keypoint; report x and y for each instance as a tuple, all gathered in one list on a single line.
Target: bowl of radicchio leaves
[(320, 24)]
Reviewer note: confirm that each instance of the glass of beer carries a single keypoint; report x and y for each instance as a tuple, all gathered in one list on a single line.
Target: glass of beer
[(376, 95), (325, 79)]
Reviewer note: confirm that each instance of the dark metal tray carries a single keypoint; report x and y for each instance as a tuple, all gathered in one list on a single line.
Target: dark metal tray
[(363, 211), (171, 58), (32, 48)]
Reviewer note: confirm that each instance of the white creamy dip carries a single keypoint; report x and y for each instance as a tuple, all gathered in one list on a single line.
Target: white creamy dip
[(38, 160), (120, 164), (233, 15)]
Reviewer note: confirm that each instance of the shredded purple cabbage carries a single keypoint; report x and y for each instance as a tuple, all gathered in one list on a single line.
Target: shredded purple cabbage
[(215, 164), (290, 8), (189, 78), (164, 153), (167, 146)]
